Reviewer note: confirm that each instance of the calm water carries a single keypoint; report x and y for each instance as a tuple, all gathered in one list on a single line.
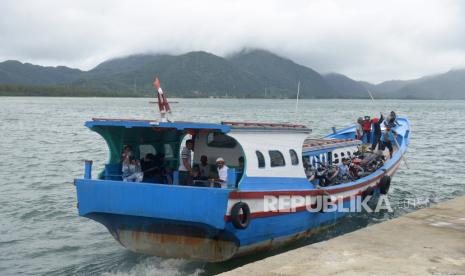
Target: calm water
[(43, 143)]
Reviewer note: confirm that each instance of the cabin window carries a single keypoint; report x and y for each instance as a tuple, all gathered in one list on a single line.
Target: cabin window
[(146, 149), (276, 158), (336, 159), (220, 140), (348, 153), (168, 151), (342, 154), (294, 158), (261, 159)]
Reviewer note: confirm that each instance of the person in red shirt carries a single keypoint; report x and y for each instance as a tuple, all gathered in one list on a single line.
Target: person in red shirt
[(366, 126)]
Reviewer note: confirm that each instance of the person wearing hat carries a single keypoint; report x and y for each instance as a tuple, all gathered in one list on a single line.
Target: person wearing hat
[(222, 171)]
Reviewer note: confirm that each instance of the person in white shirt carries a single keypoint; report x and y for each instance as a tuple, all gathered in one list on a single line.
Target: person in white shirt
[(185, 169), (222, 172), (131, 169)]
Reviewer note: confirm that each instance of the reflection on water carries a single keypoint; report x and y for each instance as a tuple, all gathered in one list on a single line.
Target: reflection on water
[(44, 144)]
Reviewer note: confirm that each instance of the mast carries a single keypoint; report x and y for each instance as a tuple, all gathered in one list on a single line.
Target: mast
[(297, 99)]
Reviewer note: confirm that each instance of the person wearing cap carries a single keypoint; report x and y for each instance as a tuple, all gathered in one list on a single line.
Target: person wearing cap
[(222, 171)]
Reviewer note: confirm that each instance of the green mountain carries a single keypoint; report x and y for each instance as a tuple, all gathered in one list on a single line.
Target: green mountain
[(15, 72), (447, 86), (248, 73), (193, 74), (279, 76), (347, 87), (254, 73)]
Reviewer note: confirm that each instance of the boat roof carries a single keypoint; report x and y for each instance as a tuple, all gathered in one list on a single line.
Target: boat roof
[(224, 127), (327, 143)]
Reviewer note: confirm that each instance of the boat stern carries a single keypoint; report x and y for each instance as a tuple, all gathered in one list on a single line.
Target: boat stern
[(162, 220)]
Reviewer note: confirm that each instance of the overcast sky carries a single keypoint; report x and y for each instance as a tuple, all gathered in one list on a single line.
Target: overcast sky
[(366, 40)]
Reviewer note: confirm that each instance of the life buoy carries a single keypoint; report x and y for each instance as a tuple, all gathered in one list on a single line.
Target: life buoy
[(384, 184), (240, 221)]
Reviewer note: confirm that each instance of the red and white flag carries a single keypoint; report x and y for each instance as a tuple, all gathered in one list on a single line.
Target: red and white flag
[(162, 101)]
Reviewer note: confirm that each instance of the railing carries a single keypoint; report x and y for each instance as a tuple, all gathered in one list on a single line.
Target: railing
[(231, 184)]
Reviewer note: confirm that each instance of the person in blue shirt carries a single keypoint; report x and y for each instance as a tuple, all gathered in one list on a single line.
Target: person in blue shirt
[(342, 172), (387, 139)]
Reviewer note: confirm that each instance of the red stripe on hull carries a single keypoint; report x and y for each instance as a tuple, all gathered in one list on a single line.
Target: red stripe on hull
[(261, 194)]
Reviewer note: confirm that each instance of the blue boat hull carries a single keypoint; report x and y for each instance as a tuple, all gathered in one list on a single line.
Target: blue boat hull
[(199, 241)]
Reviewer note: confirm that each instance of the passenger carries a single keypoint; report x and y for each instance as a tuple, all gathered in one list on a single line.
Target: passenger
[(222, 172), (185, 169), (156, 176), (131, 169), (127, 149), (240, 169), (147, 166), (204, 168), (391, 120), (342, 170), (159, 160), (366, 126), (359, 129), (387, 138), (147, 162), (376, 131)]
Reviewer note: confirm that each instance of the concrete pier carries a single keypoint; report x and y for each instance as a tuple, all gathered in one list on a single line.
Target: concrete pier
[(430, 241)]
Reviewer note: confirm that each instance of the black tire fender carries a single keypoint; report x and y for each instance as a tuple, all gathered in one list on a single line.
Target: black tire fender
[(240, 221), (384, 184)]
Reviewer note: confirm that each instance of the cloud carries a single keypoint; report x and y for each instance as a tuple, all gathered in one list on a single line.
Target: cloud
[(368, 40)]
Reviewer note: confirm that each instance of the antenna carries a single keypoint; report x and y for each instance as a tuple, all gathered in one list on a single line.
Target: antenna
[(297, 100)]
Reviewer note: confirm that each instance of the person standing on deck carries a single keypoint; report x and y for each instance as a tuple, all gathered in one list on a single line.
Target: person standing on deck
[(387, 139), (376, 131), (185, 168), (391, 119), (366, 126)]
